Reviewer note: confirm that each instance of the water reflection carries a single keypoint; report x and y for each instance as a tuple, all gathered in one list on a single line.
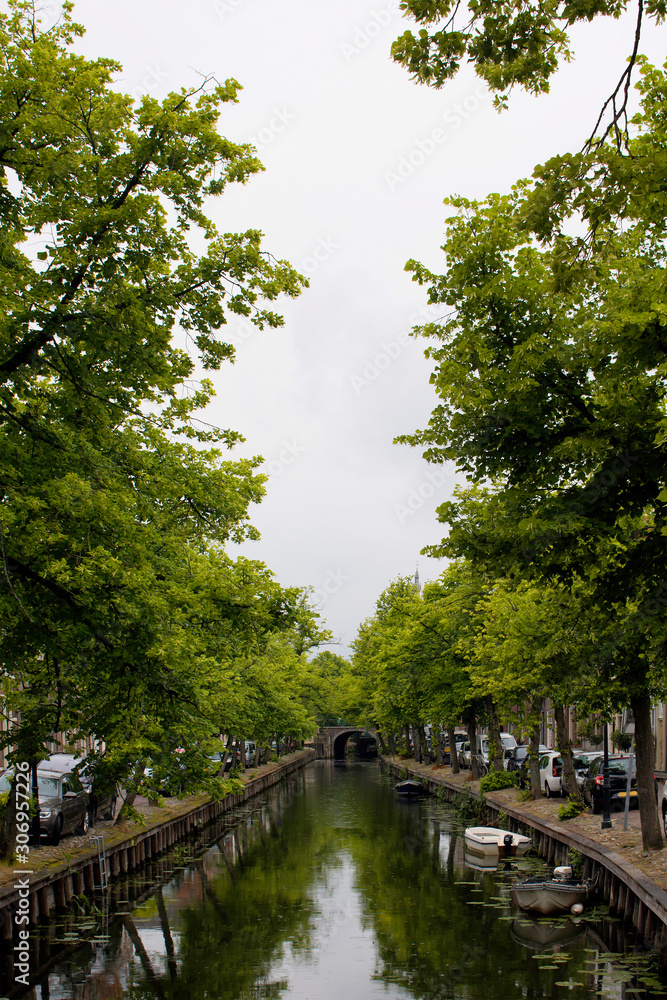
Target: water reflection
[(328, 887)]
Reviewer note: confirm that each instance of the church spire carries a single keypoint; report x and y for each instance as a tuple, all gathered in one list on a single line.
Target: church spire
[(417, 585)]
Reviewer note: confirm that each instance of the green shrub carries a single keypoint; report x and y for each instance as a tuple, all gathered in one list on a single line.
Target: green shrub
[(496, 780), (572, 809), (468, 808), (621, 742), (576, 861)]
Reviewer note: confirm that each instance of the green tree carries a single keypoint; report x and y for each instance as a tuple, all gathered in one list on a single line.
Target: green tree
[(514, 43), (392, 685), (326, 688), (113, 496), (551, 374)]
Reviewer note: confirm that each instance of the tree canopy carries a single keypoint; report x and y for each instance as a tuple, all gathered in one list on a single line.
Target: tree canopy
[(123, 615)]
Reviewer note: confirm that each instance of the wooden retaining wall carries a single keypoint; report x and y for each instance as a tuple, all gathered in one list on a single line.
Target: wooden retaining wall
[(41, 893), (631, 895)]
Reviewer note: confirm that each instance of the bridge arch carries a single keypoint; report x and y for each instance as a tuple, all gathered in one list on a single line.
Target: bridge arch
[(331, 741)]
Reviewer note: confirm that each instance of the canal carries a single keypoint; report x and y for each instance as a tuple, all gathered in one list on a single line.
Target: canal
[(328, 888)]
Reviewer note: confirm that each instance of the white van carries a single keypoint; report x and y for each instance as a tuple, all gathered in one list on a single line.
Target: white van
[(506, 739)]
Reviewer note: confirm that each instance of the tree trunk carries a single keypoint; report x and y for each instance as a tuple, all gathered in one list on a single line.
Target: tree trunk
[(242, 754), (439, 747), (258, 756), (495, 743), (454, 760), (415, 743), (472, 739), (8, 829), (392, 744), (565, 748), (652, 839), (407, 740), (34, 791), (424, 752), (383, 745), (132, 794), (534, 761)]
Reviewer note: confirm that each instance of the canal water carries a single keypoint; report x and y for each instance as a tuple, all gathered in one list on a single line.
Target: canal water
[(329, 888)]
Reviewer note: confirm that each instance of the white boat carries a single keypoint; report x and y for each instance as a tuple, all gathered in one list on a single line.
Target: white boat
[(556, 894), (489, 841)]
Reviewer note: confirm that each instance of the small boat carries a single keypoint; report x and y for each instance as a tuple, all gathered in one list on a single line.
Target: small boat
[(489, 841), (410, 788), (558, 894)]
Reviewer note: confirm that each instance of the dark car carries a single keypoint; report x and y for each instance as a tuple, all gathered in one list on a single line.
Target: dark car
[(102, 795), (618, 781), (63, 803), (582, 760)]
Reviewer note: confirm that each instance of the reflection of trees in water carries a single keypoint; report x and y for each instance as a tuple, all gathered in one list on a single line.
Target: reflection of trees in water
[(256, 892), (258, 889), (430, 940)]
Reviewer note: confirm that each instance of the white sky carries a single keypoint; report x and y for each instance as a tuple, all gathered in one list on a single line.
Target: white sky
[(358, 160)]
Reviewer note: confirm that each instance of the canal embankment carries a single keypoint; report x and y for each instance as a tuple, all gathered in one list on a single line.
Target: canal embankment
[(633, 882), (76, 868)]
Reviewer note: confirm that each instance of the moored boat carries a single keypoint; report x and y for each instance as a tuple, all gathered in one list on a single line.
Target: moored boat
[(489, 841), (556, 894), (410, 788)]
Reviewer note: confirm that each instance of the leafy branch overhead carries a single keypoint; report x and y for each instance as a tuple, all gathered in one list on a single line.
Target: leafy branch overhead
[(514, 43), (102, 203)]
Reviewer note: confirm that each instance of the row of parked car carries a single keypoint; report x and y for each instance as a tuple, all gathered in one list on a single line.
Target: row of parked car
[(588, 771), (587, 768), (70, 800)]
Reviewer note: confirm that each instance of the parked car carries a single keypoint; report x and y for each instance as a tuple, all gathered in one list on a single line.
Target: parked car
[(63, 803), (507, 741), (551, 770), (464, 754), (582, 760), (447, 757), (465, 759), (664, 807), (618, 782), (518, 760), (165, 774), (102, 795)]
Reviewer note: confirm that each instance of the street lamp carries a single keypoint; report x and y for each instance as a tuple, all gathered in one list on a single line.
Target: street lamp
[(606, 790)]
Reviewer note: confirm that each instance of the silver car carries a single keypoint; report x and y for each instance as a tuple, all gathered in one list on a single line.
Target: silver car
[(101, 797), (63, 803)]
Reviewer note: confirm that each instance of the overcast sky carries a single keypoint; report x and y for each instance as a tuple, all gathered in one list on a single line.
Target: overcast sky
[(358, 161)]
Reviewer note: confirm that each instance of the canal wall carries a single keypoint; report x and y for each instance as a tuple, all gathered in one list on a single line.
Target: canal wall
[(630, 894), (40, 893)]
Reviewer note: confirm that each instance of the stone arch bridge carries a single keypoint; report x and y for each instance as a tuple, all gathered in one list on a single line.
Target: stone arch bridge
[(331, 741)]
